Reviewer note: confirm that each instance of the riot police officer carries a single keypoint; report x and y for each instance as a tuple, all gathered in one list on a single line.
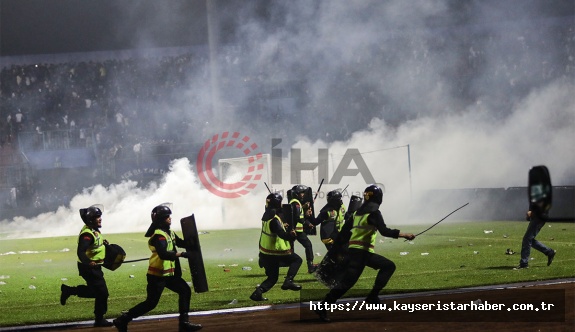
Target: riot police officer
[(301, 212), (359, 233), (91, 252), (331, 218), (276, 249), (164, 271)]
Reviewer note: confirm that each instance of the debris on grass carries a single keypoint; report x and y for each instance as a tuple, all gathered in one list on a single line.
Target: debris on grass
[(487, 231), (509, 252), (403, 253), (424, 253), (234, 301)]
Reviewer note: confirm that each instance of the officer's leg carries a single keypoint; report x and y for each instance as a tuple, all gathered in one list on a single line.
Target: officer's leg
[(154, 291), (272, 268), (386, 269), (294, 262), (306, 243), (179, 286), (354, 269)]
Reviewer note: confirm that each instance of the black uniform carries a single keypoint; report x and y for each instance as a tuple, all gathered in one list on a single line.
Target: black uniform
[(95, 287), (301, 236), (358, 259), (156, 284), (272, 263)]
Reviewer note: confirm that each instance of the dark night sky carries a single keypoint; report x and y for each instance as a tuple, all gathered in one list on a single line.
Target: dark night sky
[(61, 26)]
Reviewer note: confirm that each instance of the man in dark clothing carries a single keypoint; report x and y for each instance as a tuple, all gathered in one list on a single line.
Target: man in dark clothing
[(164, 271), (301, 212), (331, 218), (91, 253), (359, 233), (537, 216), (276, 250)]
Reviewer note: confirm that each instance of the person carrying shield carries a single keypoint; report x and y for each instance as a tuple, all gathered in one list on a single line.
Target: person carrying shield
[(164, 271), (276, 250), (359, 233), (91, 252), (331, 218), (301, 213)]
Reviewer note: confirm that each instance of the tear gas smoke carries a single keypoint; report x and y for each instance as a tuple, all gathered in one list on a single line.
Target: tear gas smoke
[(479, 98)]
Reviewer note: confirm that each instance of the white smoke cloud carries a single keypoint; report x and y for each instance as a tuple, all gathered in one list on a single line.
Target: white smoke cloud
[(466, 128)]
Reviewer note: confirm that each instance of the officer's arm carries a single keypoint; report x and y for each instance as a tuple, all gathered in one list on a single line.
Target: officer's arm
[(375, 218), (277, 229), (84, 243), (161, 245), (180, 242), (344, 234)]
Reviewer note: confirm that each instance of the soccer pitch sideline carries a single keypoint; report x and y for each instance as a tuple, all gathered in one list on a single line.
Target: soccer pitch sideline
[(452, 255)]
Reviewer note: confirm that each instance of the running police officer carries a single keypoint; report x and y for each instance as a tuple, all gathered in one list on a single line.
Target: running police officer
[(164, 271), (276, 250), (331, 218), (300, 214), (359, 234), (91, 252)]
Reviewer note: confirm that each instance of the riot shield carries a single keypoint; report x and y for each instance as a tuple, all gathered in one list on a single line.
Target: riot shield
[(540, 189), (331, 269), (196, 261), (354, 204), (288, 217), (115, 256)]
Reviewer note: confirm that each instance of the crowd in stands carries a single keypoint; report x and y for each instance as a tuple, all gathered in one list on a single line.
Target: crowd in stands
[(128, 106)]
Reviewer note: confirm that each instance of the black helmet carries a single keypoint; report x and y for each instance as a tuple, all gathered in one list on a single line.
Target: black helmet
[(298, 189), (91, 213), (274, 201), (334, 198), (161, 212), (373, 193)]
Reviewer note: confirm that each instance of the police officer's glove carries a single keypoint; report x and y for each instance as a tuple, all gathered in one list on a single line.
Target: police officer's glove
[(327, 241), (185, 254)]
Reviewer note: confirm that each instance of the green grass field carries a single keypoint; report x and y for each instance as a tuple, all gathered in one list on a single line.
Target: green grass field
[(451, 255)]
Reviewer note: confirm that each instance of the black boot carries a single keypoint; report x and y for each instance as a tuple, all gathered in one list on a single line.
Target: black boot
[(372, 299), (322, 313), (289, 284), (257, 295), (311, 267), (101, 322), (121, 323), (185, 325), (66, 292)]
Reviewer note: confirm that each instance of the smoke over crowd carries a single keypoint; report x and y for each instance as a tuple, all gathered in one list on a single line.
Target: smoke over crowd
[(480, 91)]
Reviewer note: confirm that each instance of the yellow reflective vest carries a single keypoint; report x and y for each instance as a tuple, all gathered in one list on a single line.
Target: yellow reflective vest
[(271, 243), (97, 251), (157, 266), (298, 224), (338, 216), (362, 234)]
